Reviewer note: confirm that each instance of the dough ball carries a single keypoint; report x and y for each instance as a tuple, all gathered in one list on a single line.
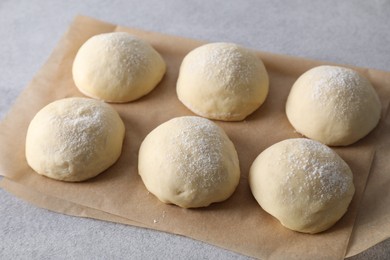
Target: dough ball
[(222, 81), (74, 139), (189, 161), (117, 67), (333, 105), (302, 183)]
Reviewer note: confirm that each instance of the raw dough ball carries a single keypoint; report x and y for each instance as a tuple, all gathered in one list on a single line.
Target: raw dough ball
[(222, 81), (333, 105), (74, 139), (189, 161), (302, 183), (117, 67)]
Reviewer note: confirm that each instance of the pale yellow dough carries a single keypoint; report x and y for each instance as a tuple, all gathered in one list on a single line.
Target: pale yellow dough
[(302, 183), (222, 81), (74, 139), (333, 105), (189, 161), (117, 67)]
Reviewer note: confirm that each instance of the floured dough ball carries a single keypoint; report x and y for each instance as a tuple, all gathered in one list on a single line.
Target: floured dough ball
[(302, 183), (333, 105), (189, 161), (74, 139), (117, 67), (222, 81)]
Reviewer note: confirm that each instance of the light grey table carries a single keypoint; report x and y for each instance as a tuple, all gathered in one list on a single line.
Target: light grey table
[(345, 32)]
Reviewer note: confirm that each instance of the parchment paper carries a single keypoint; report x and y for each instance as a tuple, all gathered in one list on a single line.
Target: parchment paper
[(237, 224), (373, 222)]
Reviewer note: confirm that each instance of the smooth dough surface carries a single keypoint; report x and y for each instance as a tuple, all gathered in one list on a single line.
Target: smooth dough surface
[(189, 161), (333, 105), (117, 67), (302, 183), (74, 139), (222, 81)]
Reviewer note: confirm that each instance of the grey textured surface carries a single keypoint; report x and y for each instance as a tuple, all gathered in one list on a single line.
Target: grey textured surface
[(345, 32)]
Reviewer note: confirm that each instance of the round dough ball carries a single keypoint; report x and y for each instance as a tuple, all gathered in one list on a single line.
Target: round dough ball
[(333, 105), (302, 183), (222, 81), (117, 67), (189, 161), (74, 139)]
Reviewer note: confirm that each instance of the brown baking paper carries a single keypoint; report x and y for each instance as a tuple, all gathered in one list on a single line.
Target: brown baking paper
[(238, 224), (60, 205), (373, 222)]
